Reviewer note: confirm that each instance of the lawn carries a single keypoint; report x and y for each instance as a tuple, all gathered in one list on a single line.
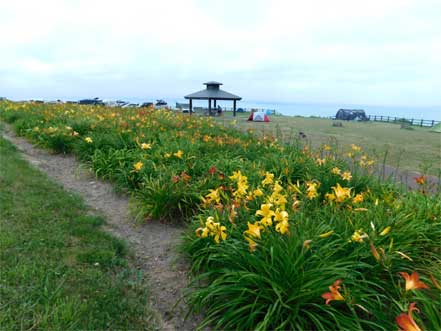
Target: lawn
[(418, 149), (59, 270)]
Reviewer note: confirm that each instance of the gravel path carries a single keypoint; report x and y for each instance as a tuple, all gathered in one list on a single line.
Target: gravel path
[(153, 243)]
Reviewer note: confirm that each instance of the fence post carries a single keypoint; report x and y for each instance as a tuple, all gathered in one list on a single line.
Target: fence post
[(375, 118), (388, 119), (421, 123), (433, 123), (411, 121)]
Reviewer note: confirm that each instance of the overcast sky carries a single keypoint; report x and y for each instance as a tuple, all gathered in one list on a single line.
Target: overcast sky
[(379, 52)]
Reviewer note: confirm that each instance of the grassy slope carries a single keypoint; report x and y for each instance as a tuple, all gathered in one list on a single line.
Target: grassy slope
[(409, 149), (58, 269)]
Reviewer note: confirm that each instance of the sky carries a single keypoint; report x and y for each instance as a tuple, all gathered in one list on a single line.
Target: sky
[(376, 52)]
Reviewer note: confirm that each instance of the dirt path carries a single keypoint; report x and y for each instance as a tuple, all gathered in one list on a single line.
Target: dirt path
[(153, 243)]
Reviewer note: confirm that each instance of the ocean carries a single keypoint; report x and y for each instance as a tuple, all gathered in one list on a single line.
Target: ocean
[(322, 110), (310, 109)]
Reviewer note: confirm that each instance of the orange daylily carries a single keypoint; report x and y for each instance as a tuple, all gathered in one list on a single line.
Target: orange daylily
[(435, 282), (306, 243), (406, 322), (334, 294), (212, 170), (421, 180), (375, 252), (413, 281)]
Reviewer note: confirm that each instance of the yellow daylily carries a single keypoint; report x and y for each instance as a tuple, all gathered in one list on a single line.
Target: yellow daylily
[(138, 166), (202, 232), (358, 236), (280, 216), (268, 179), (341, 193), (385, 231), (146, 146), (237, 175), (326, 234), (88, 140), (179, 154), (357, 199), (277, 188), (282, 227), (355, 148), (346, 176), (213, 195), (336, 171), (253, 230), (266, 213), (219, 233), (311, 190), (330, 196), (280, 201)]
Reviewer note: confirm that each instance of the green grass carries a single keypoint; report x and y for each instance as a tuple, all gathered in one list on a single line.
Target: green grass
[(59, 271), (415, 150)]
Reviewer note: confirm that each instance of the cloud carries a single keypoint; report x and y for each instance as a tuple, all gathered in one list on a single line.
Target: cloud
[(341, 50)]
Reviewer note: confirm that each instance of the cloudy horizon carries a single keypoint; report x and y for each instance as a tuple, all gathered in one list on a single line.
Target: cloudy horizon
[(349, 52)]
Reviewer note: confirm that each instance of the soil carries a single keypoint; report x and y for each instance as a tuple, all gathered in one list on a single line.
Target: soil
[(153, 243)]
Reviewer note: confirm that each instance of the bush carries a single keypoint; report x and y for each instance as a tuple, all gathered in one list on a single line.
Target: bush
[(259, 276)]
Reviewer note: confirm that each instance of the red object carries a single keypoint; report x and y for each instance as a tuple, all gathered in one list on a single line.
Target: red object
[(265, 118)]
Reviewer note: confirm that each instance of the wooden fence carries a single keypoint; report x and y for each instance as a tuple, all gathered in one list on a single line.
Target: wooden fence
[(399, 120)]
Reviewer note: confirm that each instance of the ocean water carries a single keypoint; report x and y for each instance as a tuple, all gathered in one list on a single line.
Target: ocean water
[(325, 110)]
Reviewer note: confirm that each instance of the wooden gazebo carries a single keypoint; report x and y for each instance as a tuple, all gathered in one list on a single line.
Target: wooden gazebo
[(212, 92)]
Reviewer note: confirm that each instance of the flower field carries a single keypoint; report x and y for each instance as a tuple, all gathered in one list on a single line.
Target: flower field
[(279, 237)]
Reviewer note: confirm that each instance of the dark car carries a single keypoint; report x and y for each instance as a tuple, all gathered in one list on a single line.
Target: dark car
[(94, 101)]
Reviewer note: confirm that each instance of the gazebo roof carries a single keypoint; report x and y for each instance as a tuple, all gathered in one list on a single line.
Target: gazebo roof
[(212, 92), (212, 82)]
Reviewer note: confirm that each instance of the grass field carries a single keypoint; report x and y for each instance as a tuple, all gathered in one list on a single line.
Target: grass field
[(418, 149), (59, 271)]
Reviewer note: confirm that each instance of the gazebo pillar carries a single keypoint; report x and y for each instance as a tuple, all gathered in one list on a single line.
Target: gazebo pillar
[(191, 106), (209, 106), (234, 108), (215, 106)]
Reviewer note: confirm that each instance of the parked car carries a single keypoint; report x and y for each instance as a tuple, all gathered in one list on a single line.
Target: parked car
[(147, 104), (160, 104), (94, 101)]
